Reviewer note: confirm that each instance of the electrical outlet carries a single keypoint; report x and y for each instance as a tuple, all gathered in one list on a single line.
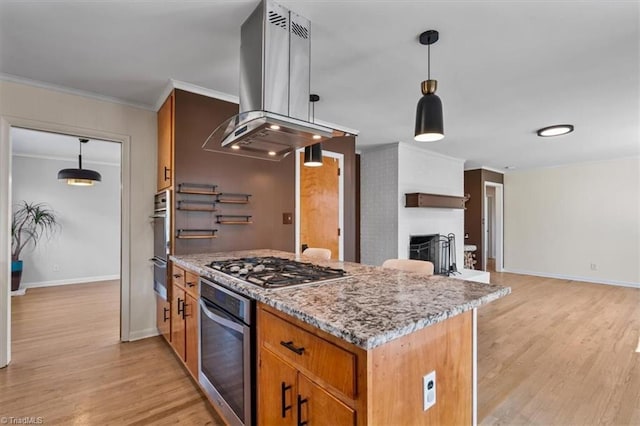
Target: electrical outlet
[(594, 267), (429, 390), (56, 268)]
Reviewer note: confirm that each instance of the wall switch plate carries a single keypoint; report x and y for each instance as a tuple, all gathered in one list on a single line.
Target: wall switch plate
[(594, 267), (429, 390), (287, 218), (56, 268)]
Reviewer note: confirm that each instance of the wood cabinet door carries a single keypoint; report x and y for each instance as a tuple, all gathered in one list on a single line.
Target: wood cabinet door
[(317, 407), (163, 317), (165, 144), (191, 323), (178, 332), (277, 391)]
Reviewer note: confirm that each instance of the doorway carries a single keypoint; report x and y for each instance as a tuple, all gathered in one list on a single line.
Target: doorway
[(320, 204), (493, 227), (8, 169)]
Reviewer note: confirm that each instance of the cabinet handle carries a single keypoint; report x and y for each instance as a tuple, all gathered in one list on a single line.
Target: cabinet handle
[(284, 388), (184, 309), (177, 275), (166, 170), (181, 308), (164, 315), (191, 284), (300, 402), (289, 345)]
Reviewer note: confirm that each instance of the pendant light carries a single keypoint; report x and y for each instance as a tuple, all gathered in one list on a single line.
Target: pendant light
[(80, 176), (429, 126), (313, 153)]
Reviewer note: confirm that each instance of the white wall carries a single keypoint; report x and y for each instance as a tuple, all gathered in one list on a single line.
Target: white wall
[(46, 109), (424, 171), (378, 204), (558, 221), (387, 174), (87, 245)]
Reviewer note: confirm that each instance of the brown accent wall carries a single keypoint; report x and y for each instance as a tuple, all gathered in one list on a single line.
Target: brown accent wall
[(272, 184), (474, 181)]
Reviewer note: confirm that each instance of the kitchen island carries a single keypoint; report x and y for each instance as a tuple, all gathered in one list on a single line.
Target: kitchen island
[(356, 350)]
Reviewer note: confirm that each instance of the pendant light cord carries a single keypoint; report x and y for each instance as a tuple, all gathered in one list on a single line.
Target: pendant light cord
[(428, 62), (80, 157)]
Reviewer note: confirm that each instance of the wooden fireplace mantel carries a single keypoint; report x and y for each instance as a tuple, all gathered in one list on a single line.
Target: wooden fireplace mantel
[(419, 199)]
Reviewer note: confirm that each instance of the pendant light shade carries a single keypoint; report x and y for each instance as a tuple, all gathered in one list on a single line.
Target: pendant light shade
[(80, 176), (429, 121), (313, 155)]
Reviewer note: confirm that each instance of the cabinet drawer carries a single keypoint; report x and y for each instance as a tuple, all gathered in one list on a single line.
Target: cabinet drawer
[(177, 275), (191, 284), (328, 362)]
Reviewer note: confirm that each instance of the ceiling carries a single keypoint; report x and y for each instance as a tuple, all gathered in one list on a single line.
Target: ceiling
[(504, 68), (63, 147)]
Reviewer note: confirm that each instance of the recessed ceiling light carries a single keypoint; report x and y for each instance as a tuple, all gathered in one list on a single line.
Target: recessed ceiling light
[(274, 127), (272, 153), (235, 146), (557, 130), (316, 137)]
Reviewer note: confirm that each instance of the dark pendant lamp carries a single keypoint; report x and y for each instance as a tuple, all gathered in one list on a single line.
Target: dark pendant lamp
[(313, 153), (429, 126), (80, 176)]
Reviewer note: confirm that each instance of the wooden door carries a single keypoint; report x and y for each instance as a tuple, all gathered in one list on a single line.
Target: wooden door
[(163, 317), (165, 144), (277, 391), (320, 204), (318, 407), (191, 334), (178, 331)]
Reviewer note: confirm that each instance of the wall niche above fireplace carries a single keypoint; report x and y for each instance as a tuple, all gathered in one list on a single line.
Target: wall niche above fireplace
[(418, 199)]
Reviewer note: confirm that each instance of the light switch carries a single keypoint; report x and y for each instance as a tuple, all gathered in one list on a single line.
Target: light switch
[(287, 218)]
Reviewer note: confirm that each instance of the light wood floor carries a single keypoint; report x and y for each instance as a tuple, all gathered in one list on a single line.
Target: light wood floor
[(69, 367), (559, 352), (553, 352)]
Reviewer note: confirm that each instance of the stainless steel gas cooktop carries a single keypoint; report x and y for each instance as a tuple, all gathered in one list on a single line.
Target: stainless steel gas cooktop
[(275, 272)]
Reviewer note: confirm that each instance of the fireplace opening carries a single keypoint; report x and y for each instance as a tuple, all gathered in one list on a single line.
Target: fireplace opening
[(437, 249)]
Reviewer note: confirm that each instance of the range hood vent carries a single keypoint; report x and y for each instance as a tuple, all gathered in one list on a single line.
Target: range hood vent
[(274, 89)]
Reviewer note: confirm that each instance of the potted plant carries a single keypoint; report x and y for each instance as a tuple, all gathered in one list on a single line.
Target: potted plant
[(30, 222)]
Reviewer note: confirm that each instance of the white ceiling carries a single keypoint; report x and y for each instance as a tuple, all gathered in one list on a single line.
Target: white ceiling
[(504, 68), (63, 147)]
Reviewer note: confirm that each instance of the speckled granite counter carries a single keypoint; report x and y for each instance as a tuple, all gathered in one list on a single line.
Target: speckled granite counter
[(369, 308)]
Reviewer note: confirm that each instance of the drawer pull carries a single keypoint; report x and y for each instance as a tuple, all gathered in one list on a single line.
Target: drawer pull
[(284, 388), (300, 402), (191, 284), (177, 275), (289, 345)]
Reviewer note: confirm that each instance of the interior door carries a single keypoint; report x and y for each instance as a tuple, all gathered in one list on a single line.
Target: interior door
[(320, 205)]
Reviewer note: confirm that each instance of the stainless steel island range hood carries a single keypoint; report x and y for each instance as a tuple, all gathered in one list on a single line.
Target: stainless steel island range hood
[(274, 89)]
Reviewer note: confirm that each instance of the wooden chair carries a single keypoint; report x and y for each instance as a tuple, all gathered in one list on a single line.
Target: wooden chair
[(410, 265), (317, 253)]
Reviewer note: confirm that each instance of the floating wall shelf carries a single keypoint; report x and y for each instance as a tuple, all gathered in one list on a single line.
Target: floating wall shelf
[(233, 198), (233, 219), (197, 205), (418, 199), (193, 234), (197, 189)]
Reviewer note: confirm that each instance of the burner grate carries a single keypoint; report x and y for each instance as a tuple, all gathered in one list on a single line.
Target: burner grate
[(275, 272)]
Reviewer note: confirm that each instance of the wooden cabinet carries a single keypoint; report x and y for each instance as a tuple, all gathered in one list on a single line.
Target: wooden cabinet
[(165, 144), (307, 376), (163, 317), (303, 377), (184, 317)]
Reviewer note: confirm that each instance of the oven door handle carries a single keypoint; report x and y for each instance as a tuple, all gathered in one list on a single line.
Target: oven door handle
[(208, 310), (158, 263)]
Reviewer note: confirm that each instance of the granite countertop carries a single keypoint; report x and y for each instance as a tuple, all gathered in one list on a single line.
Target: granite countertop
[(369, 308)]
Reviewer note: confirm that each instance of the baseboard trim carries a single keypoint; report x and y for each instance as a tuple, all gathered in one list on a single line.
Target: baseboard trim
[(143, 334), (573, 278), (71, 281)]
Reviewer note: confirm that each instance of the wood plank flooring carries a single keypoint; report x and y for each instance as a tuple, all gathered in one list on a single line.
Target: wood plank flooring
[(559, 352), (69, 367), (553, 352)]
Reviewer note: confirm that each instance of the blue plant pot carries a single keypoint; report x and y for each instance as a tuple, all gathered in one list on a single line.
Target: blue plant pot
[(16, 274)]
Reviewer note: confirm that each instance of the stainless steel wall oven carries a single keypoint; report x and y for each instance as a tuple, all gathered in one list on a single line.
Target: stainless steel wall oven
[(227, 351), (161, 241)]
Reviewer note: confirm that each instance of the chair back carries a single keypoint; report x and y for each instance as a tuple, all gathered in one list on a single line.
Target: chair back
[(410, 265), (317, 253)]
